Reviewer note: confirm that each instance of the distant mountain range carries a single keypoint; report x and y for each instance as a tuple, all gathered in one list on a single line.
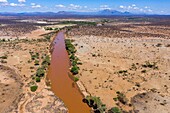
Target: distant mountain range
[(105, 12)]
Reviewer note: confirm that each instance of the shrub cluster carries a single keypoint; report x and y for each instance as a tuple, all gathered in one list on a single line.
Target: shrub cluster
[(48, 38), (95, 103), (114, 110), (122, 98), (73, 58), (150, 65), (33, 88), (2, 40), (123, 72), (48, 28), (4, 57), (40, 72), (34, 56)]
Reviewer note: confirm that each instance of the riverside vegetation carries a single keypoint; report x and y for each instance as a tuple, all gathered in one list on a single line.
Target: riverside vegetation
[(73, 58)]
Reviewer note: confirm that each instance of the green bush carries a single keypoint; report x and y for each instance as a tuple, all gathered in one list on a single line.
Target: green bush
[(122, 98), (38, 79), (48, 28), (75, 70), (47, 38), (122, 71), (150, 65), (33, 88), (79, 63), (115, 99), (76, 79), (114, 110), (70, 47), (74, 63), (36, 62), (96, 103), (40, 72), (57, 29), (72, 57), (46, 60), (3, 40), (29, 61), (3, 61), (143, 71), (4, 57), (34, 56)]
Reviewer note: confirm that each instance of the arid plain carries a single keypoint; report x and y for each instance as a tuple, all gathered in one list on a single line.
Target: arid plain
[(125, 62)]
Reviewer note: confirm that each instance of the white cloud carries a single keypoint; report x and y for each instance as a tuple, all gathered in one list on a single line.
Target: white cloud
[(34, 5), (129, 7), (149, 10), (73, 6), (122, 7), (133, 5), (3, 1), (60, 6), (13, 4), (135, 8), (21, 1)]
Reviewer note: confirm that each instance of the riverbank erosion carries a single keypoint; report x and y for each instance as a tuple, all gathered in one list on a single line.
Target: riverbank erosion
[(62, 85)]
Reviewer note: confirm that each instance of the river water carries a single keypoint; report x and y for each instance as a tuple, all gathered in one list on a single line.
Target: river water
[(61, 84)]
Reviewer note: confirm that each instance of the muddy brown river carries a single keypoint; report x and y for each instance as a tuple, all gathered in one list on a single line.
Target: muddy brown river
[(61, 84)]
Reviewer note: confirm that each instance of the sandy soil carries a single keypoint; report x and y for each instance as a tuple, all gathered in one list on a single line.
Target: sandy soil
[(15, 81), (10, 84), (103, 58)]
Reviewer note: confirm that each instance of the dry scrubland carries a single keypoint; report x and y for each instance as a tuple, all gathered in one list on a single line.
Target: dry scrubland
[(17, 72), (125, 62), (22, 52)]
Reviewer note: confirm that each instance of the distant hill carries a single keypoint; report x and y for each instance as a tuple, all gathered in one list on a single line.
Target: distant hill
[(113, 12), (102, 12)]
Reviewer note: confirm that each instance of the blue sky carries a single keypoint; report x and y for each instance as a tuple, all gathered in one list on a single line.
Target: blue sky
[(135, 6)]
